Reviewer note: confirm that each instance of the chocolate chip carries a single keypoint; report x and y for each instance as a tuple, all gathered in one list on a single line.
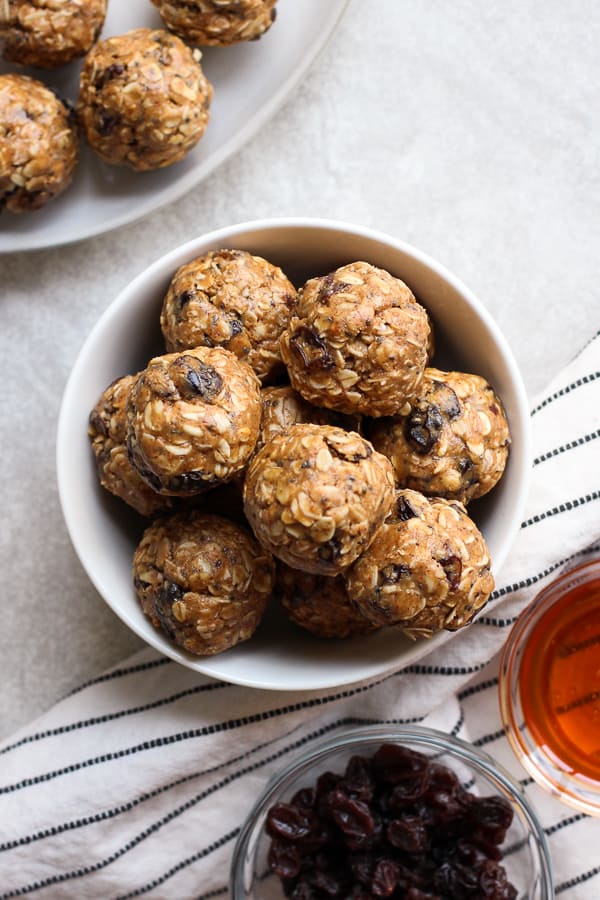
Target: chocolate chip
[(329, 287), (195, 379), (311, 348), (394, 572), (184, 298), (236, 327), (107, 124), (330, 551), (404, 510), (448, 401), (452, 566), (422, 428)]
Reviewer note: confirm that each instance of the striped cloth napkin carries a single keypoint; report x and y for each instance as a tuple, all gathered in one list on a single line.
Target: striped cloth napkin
[(136, 783)]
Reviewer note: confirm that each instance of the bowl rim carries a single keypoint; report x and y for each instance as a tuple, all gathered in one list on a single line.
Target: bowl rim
[(554, 780), (424, 737), (168, 263)]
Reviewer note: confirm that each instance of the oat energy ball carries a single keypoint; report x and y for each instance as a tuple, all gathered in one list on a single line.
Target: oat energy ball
[(358, 342), (143, 99), (49, 33), (192, 420), (283, 407), (315, 495), (217, 22), (231, 299), (427, 569), (38, 144), (108, 435), (319, 604), (454, 442), (203, 579)]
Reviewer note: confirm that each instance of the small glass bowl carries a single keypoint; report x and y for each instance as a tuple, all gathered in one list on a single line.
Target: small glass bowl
[(575, 790), (527, 859)]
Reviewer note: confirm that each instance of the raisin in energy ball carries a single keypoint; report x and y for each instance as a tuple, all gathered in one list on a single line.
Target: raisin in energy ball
[(454, 442), (217, 22), (143, 100), (38, 144), (283, 407), (108, 434), (203, 579), (358, 342), (319, 604), (49, 33), (231, 299), (427, 569), (315, 495), (192, 420)]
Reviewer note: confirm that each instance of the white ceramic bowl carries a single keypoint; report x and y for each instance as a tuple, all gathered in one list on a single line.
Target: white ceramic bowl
[(105, 532)]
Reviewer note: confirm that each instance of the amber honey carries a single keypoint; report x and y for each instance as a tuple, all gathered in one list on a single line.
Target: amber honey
[(559, 681)]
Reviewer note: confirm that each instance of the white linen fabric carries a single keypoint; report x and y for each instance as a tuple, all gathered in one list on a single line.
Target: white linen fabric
[(137, 782)]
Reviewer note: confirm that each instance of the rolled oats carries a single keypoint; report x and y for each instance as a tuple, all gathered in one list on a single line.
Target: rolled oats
[(144, 100), (49, 33), (427, 569), (315, 496), (358, 342), (38, 144), (203, 579), (217, 22), (453, 443)]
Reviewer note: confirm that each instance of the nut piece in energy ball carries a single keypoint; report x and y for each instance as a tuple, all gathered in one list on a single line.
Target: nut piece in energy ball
[(108, 435), (203, 579), (143, 99), (454, 443), (192, 420), (319, 604), (217, 22), (315, 495), (38, 144), (283, 407), (231, 299), (49, 33), (358, 342), (427, 569)]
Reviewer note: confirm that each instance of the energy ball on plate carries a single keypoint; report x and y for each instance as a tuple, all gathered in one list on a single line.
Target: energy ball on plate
[(315, 495), (49, 33), (319, 604), (454, 442), (283, 407), (427, 569), (217, 22), (143, 100), (203, 579), (38, 144), (192, 420), (231, 299), (358, 342), (108, 434)]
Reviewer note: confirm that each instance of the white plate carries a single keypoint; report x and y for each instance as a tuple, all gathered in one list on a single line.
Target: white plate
[(105, 532), (251, 81)]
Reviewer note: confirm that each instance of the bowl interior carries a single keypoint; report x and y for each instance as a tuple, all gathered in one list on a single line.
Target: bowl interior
[(526, 858), (105, 532)]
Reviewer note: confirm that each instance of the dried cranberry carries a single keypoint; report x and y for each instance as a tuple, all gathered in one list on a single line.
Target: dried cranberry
[(287, 822)]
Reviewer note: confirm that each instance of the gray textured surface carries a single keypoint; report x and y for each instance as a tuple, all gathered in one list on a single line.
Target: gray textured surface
[(468, 129)]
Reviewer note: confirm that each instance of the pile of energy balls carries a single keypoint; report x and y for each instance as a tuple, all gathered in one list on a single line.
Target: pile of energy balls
[(296, 447), (143, 99)]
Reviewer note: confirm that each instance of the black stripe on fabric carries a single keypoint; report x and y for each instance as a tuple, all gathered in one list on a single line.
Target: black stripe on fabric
[(120, 673), (526, 782), (552, 829), (109, 717), (557, 451), (231, 724), (216, 893), (193, 801), (567, 506), (489, 738), (580, 879), (477, 688), (585, 379)]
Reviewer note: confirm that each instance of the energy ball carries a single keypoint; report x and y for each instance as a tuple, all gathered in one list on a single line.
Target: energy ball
[(49, 33), (427, 569), (231, 299), (217, 22), (192, 420), (358, 342), (108, 434), (38, 144), (454, 442), (283, 407), (143, 99), (315, 495), (202, 579), (319, 604)]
